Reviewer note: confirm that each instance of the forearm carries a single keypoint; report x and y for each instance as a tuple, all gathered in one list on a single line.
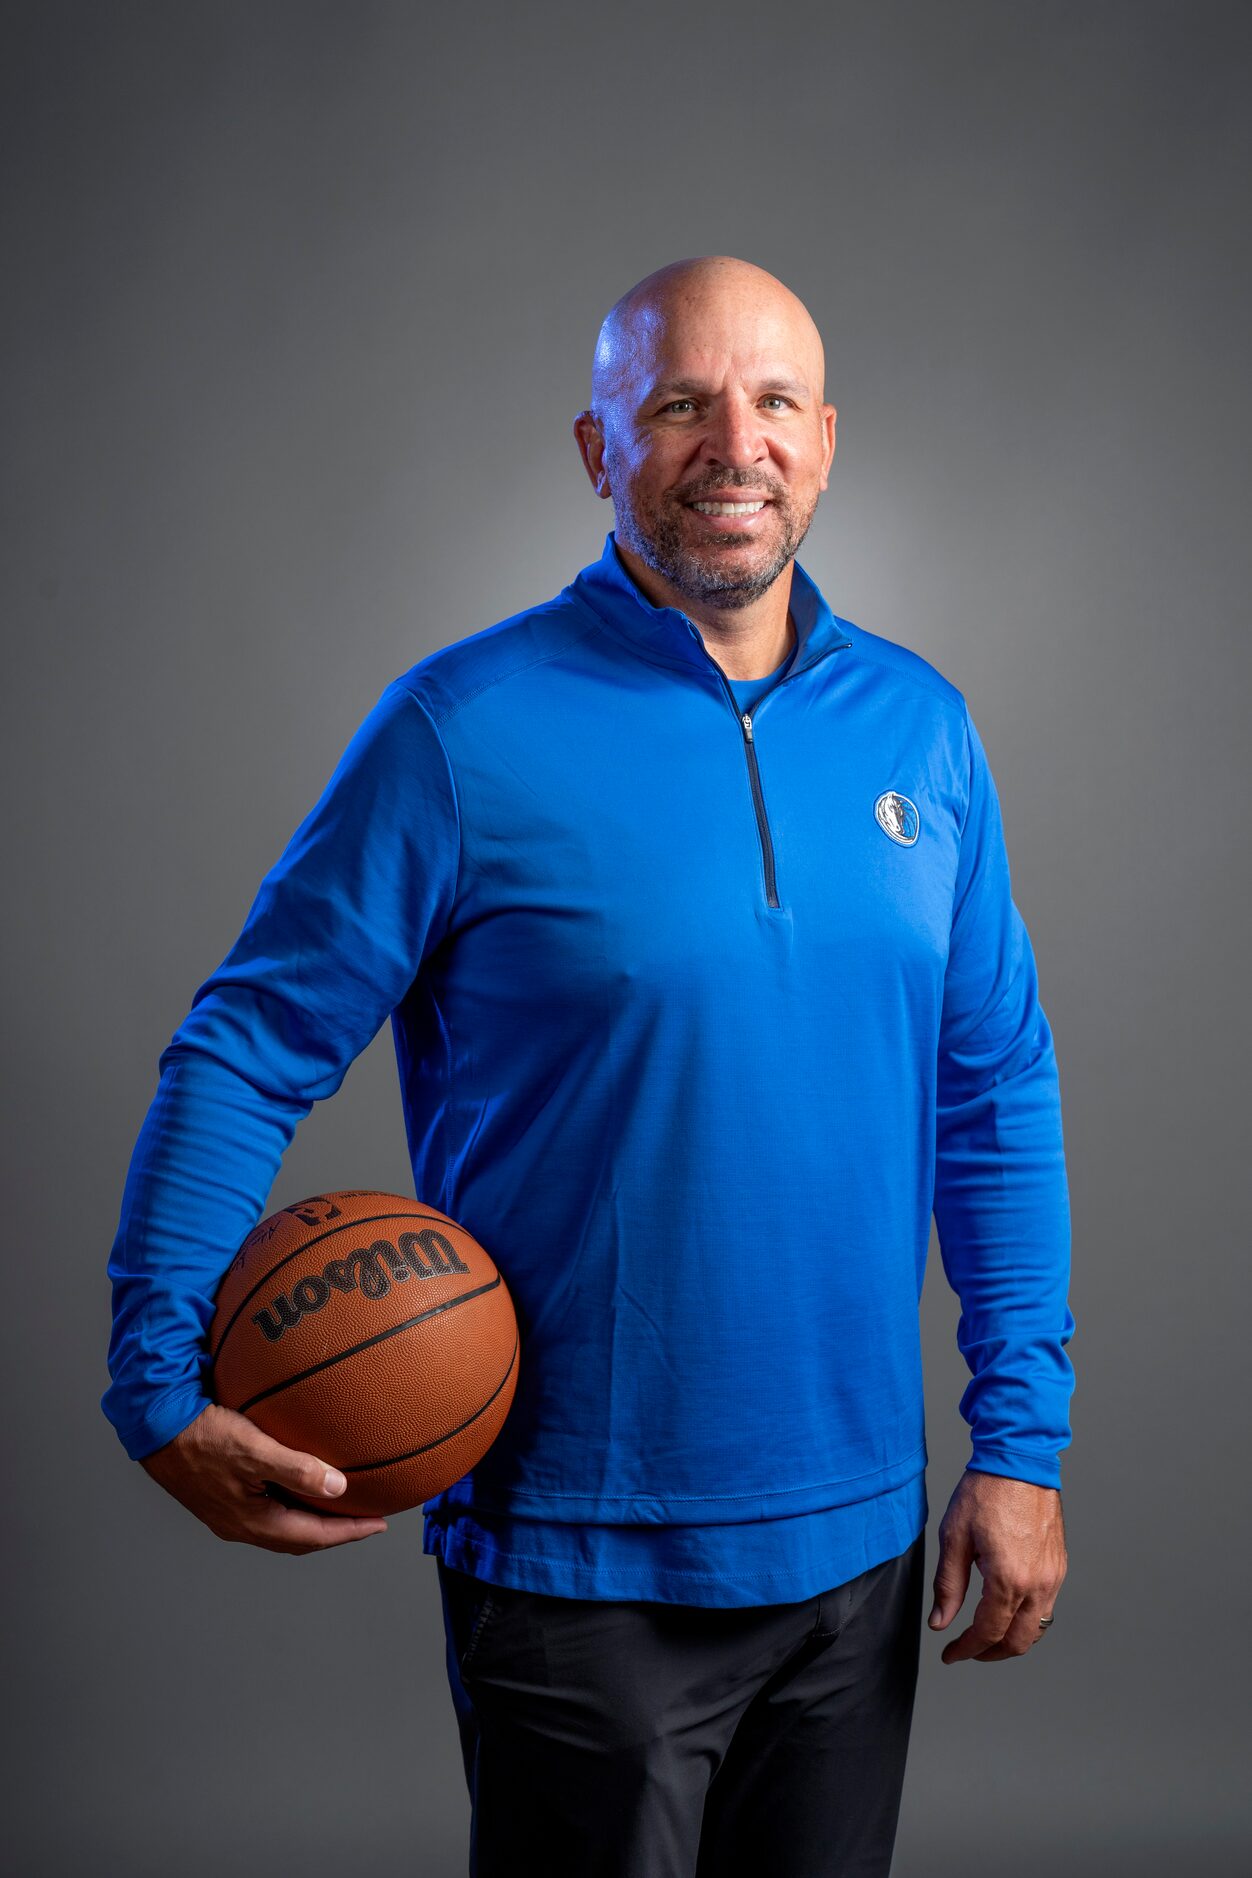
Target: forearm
[(202, 1168), (1002, 1214)]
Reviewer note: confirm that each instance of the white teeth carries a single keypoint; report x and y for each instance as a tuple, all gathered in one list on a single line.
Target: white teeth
[(728, 508)]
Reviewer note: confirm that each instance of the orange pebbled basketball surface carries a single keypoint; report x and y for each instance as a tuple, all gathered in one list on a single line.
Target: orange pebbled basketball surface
[(371, 1331)]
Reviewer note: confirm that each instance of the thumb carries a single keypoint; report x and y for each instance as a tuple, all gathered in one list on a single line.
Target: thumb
[(951, 1582), (287, 1467)]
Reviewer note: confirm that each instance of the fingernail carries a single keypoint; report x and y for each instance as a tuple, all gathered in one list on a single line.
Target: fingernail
[(934, 1616), (335, 1481)]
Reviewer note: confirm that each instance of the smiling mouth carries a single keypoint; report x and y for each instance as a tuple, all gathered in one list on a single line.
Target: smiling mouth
[(728, 508)]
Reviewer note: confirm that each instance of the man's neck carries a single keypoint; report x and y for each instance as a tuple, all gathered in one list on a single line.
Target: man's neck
[(748, 641)]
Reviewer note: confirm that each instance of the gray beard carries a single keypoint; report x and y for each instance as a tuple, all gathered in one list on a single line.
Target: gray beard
[(726, 585)]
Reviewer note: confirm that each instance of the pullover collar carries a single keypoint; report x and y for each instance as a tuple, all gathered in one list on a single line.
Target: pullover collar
[(664, 633)]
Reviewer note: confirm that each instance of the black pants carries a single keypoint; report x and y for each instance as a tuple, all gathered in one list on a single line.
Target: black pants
[(635, 1739)]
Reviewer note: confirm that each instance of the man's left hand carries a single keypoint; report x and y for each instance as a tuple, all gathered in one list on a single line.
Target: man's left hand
[(1015, 1533)]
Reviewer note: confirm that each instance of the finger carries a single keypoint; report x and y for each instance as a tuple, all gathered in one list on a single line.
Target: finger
[(956, 1556), (993, 1615), (291, 1529), (286, 1498), (1022, 1634)]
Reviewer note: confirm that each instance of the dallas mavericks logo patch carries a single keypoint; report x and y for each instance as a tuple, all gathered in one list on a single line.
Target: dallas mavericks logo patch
[(898, 817)]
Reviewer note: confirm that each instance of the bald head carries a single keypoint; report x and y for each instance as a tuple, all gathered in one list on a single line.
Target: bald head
[(713, 297)]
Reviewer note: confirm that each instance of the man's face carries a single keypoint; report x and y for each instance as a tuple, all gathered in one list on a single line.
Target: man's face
[(719, 402)]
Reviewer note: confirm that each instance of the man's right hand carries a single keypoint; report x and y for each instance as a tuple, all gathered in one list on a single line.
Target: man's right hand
[(218, 1468)]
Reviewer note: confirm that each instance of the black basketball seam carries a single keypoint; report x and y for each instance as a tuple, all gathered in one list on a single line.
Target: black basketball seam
[(305, 1246), (364, 1467), (380, 1336)]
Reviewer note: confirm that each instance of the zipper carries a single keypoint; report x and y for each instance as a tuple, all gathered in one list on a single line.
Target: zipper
[(754, 773), (762, 820)]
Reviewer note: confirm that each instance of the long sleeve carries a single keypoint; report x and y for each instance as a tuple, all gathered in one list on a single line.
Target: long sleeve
[(333, 940), (1001, 1200)]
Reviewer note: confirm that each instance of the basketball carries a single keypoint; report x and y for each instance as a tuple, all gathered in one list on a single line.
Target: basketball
[(373, 1332)]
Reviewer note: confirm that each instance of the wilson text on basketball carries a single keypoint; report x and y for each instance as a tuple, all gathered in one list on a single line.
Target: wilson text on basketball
[(371, 1270)]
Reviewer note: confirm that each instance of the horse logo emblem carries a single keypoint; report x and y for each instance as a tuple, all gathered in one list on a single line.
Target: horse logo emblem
[(898, 817)]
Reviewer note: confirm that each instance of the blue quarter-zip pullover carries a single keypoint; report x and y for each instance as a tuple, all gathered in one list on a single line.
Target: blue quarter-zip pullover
[(697, 1015)]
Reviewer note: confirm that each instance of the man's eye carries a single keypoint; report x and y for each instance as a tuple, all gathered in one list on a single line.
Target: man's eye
[(771, 397)]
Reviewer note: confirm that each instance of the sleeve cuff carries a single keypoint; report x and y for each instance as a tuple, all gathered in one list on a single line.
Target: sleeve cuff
[(1016, 1464), (167, 1419)]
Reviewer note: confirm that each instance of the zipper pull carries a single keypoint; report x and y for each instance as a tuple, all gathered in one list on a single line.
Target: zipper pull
[(747, 726)]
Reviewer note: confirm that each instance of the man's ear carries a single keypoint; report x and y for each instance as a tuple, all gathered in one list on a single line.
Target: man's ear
[(590, 440), (828, 416)]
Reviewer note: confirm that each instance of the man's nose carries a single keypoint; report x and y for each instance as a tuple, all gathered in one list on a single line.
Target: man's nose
[(733, 434)]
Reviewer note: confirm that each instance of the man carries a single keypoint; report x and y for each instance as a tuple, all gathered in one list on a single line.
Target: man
[(689, 904)]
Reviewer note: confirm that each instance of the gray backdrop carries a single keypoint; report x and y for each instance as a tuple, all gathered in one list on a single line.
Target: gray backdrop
[(301, 301)]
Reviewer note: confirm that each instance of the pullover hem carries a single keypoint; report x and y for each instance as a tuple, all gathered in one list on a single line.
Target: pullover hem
[(777, 1561), (473, 1493)]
